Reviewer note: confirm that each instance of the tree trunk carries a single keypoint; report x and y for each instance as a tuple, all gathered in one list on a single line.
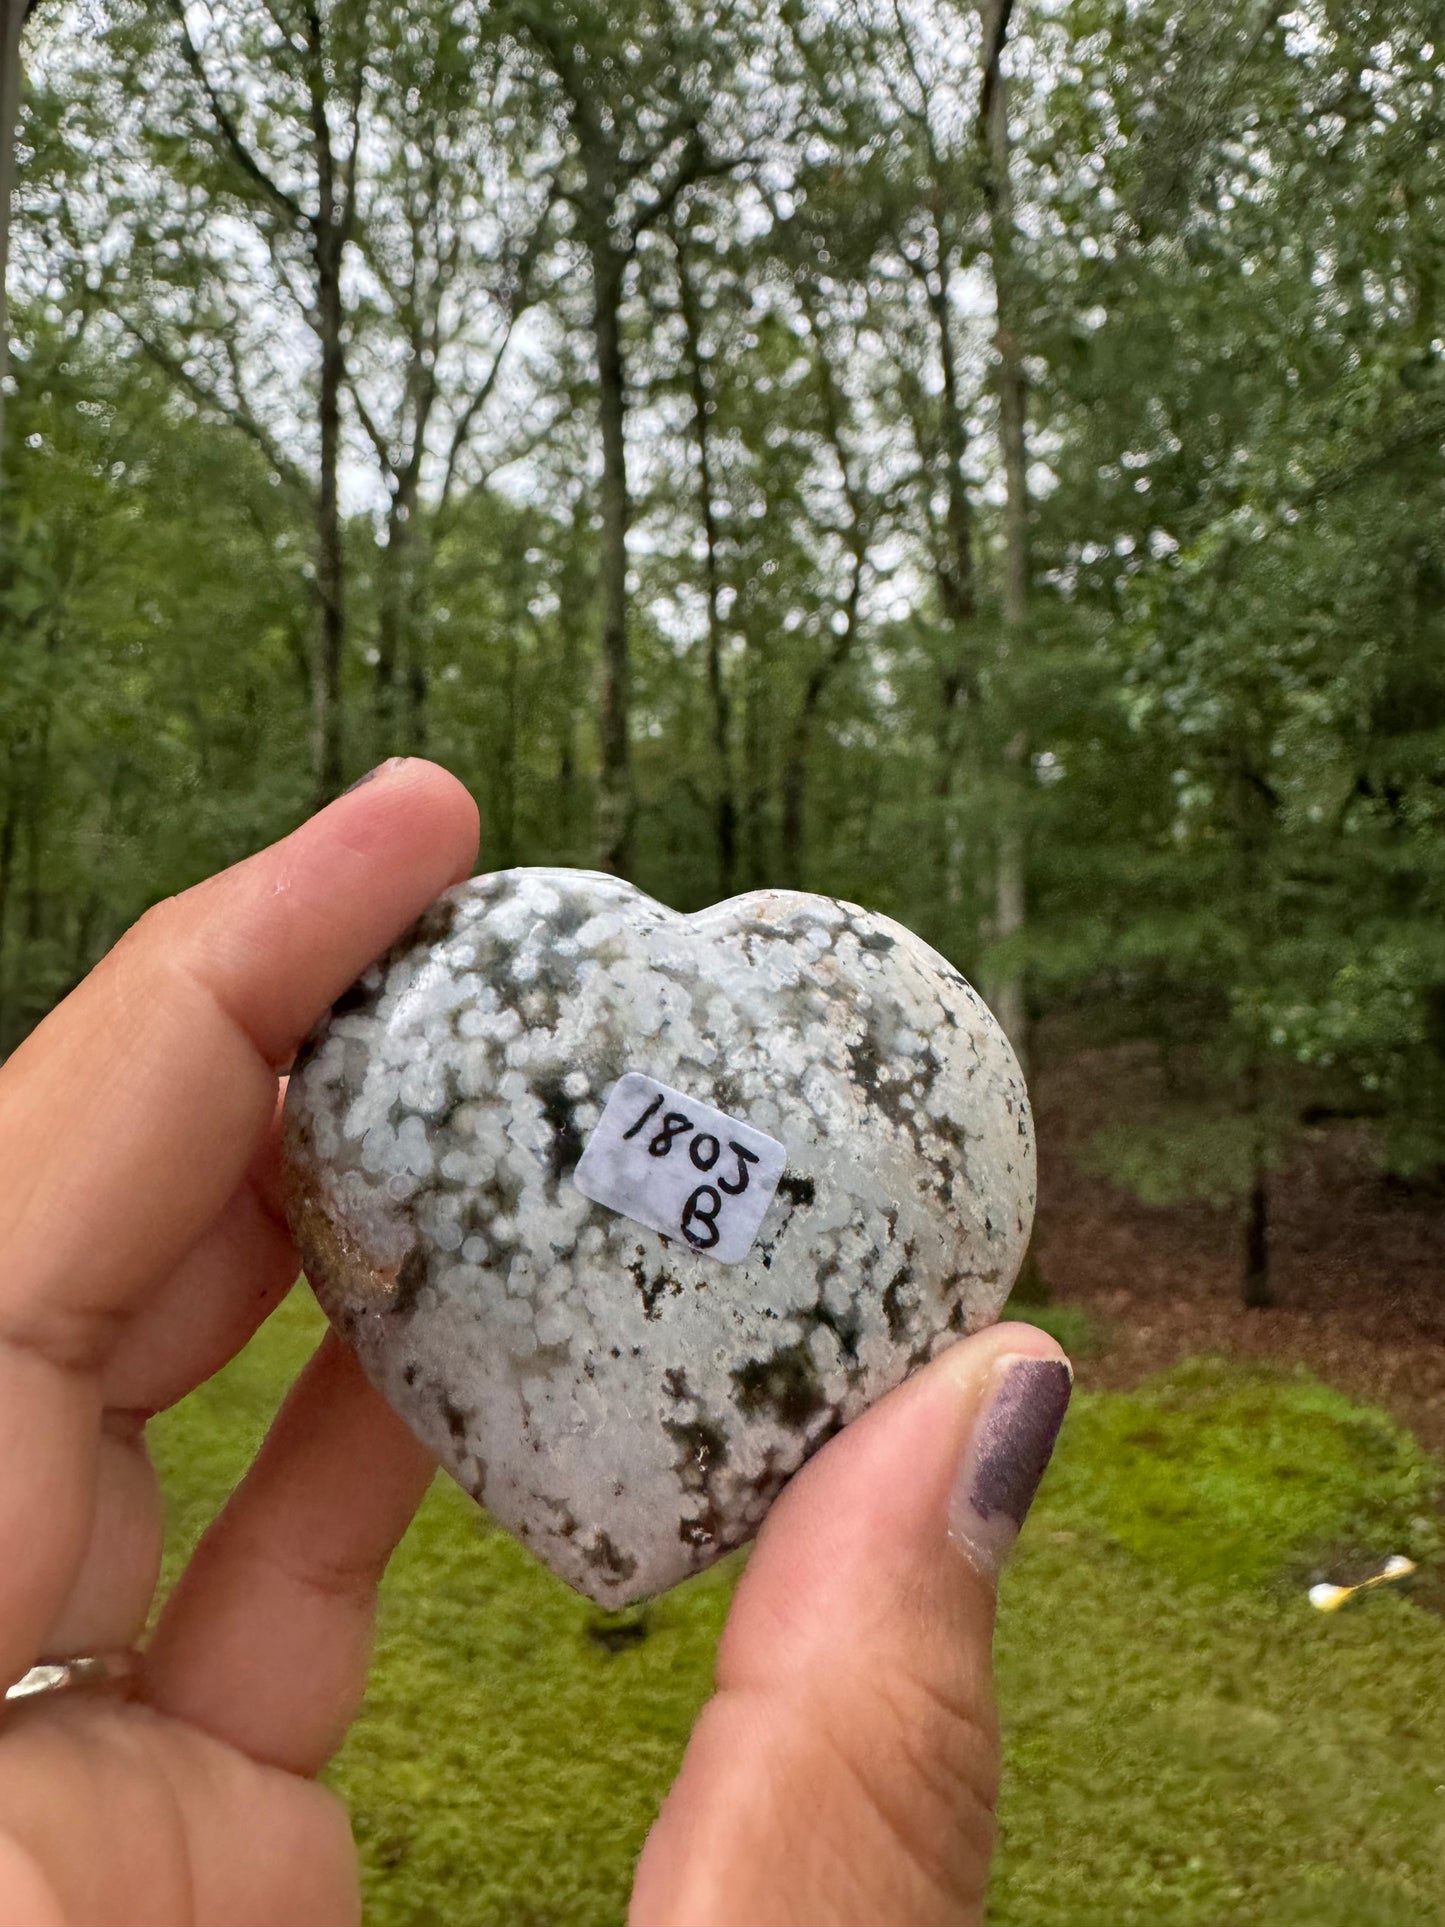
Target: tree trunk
[(611, 164), (958, 600), (724, 793), (1255, 1284), (418, 693), (399, 690), (794, 799), (800, 736), (1009, 1001), (1010, 875), (1258, 1290), (575, 588), (505, 789), (795, 765), (334, 201), (9, 829), (956, 577), (35, 825), (326, 721), (949, 854), (390, 636), (615, 803), (12, 19), (756, 771)]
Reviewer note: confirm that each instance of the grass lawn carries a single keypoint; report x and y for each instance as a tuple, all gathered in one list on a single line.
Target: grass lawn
[(1187, 1739)]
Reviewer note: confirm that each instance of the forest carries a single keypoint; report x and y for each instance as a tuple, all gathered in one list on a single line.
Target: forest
[(981, 461)]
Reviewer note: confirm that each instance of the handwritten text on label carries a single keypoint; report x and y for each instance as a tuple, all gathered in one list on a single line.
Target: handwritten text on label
[(681, 1167)]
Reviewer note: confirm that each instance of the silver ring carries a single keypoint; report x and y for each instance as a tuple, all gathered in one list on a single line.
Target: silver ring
[(115, 1671)]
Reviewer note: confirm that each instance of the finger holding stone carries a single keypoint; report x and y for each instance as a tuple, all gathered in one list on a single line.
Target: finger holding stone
[(129, 1116), (224, 1288), (846, 1769), (109, 1598), (265, 1641), (114, 1818), (181, 1334)]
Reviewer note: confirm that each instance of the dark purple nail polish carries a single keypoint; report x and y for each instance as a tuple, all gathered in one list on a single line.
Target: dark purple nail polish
[(390, 763), (1007, 1455)]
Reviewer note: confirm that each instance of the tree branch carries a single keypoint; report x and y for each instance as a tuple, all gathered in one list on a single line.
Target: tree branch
[(373, 433), (995, 16), (692, 166), (236, 413), (461, 431), (518, 299), (230, 134)]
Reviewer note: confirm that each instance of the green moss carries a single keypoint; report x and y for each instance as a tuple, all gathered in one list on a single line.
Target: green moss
[(1187, 1741), (1227, 1478), (552, 1740)]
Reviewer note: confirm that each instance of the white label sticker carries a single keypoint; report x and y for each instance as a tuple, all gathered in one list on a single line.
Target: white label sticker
[(681, 1167)]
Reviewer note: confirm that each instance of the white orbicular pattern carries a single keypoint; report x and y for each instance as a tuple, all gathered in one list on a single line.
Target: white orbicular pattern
[(622, 1393)]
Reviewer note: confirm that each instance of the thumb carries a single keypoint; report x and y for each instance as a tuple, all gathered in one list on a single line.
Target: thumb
[(847, 1767)]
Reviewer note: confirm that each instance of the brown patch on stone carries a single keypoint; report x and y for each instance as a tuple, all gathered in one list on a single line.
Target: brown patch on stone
[(335, 1261)]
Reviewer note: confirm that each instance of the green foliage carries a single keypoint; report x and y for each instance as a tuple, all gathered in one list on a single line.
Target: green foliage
[(1186, 1739), (139, 746), (1219, 737), (1184, 1153)]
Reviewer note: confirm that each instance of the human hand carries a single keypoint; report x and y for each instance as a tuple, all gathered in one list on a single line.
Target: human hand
[(844, 1773), (144, 1241), (845, 1770)]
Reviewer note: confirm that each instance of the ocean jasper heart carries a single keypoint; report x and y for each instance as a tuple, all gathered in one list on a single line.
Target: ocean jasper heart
[(809, 1166)]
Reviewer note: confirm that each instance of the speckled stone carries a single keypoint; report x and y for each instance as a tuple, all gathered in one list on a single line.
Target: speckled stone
[(629, 1406)]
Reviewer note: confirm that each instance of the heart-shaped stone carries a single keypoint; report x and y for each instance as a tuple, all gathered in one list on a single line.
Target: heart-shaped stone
[(627, 1384)]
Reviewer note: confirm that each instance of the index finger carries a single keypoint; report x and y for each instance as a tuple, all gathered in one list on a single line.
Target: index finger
[(129, 1115)]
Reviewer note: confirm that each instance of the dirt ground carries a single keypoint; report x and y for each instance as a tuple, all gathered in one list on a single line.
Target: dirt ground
[(1358, 1259)]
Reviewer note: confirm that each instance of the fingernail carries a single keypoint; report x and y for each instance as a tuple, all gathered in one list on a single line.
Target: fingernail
[(392, 762), (1007, 1454)]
